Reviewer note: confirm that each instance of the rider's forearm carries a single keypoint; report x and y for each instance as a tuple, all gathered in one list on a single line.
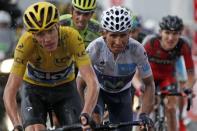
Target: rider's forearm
[(91, 96), (191, 79), (11, 107), (81, 87), (148, 98), (12, 111), (9, 98)]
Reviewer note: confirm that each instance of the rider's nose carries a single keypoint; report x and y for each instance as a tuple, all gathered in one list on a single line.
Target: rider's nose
[(118, 41), (80, 17), (47, 38)]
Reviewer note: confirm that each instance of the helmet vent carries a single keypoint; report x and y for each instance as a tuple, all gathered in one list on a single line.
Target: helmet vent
[(107, 19), (89, 2), (112, 17), (122, 17), (106, 23), (122, 28), (74, 1), (36, 8), (126, 19), (128, 23), (117, 26), (49, 15), (94, 2), (117, 12), (111, 28), (121, 11), (56, 14), (112, 11), (34, 19), (41, 18), (117, 19), (28, 21), (49, 25)]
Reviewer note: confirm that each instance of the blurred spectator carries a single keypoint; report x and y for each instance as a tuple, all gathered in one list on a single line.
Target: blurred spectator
[(150, 26), (12, 8), (136, 29), (7, 41), (191, 120), (7, 36)]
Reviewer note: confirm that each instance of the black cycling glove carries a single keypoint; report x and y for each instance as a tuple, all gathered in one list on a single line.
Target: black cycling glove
[(85, 120), (188, 91), (146, 120), (18, 128)]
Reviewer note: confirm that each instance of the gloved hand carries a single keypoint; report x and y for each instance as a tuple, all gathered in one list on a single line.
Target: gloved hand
[(18, 128), (188, 91), (147, 122), (87, 122)]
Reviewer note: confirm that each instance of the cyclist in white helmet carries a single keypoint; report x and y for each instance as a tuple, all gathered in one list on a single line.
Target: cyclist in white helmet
[(115, 57)]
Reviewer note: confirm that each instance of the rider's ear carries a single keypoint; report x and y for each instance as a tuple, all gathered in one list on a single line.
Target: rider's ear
[(104, 33)]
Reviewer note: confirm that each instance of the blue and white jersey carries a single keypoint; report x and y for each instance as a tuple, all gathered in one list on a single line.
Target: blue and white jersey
[(115, 75)]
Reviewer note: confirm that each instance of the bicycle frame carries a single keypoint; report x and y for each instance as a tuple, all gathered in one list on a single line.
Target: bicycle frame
[(160, 120)]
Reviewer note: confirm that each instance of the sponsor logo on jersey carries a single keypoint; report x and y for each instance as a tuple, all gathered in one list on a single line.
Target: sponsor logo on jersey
[(125, 69), (145, 67), (81, 54), (19, 60), (20, 46), (113, 83), (49, 77)]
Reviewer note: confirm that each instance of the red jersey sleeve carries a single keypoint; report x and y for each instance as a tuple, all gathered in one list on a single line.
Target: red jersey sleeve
[(186, 52)]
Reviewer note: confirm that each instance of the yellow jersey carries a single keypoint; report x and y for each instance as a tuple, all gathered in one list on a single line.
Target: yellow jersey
[(40, 67)]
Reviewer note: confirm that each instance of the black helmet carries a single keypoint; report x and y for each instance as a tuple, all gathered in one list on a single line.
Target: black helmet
[(172, 23)]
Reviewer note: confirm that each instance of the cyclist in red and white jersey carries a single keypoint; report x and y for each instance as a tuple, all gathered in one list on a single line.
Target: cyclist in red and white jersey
[(163, 50)]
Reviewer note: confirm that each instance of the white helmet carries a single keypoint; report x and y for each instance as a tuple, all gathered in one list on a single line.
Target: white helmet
[(116, 19), (5, 17)]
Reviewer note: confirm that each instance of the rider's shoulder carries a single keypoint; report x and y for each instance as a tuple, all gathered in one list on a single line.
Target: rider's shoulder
[(26, 43), (93, 25), (150, 38), (69, 31), (133, 46), (66, 19), (98, 44), (26, 37), (185, 40)]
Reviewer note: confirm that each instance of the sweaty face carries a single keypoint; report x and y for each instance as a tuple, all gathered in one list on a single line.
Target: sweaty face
[(116, 41), (80, 19), (169, 39), (48, 38)]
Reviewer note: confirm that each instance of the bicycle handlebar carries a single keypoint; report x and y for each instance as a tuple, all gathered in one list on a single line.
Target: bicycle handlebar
[(116, 126), (185, 93), (107, 127)]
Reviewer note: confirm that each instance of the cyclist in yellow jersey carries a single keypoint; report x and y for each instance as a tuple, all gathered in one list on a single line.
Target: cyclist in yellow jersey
[(81, 19), (43, 64)]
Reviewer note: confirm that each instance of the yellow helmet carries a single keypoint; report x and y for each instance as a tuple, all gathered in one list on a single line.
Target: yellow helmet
[(40, 16), (84, 5)]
